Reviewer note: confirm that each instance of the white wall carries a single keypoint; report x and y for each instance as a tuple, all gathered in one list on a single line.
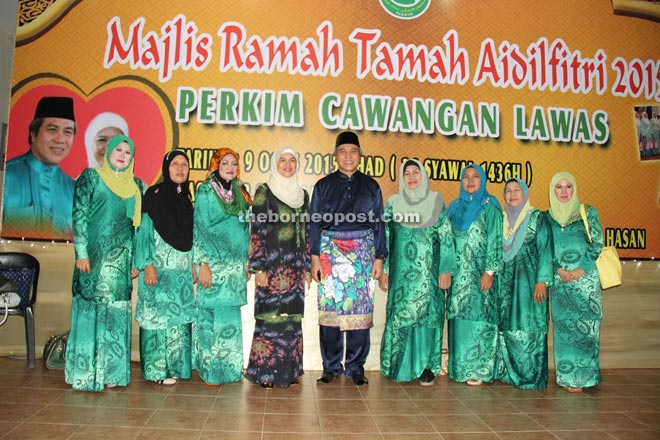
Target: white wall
[(8, 11)]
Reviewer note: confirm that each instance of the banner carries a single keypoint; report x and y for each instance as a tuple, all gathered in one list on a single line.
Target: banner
[(524, 91)]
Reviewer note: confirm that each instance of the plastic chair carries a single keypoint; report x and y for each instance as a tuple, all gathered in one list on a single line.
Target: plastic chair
[(23, 270)]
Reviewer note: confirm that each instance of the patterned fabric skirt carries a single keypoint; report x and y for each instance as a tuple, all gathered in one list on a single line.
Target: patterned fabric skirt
[(276, 354), (99, 348), (472, 346), (577, 352), (166, 353), (345, 297), (407, 351), (522, 359), (217, 352)]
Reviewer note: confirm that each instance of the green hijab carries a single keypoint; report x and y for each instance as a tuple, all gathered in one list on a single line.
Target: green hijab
[(421, 200), (564, 213)]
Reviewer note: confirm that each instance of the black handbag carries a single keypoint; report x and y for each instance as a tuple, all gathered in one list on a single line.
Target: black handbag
[(55, 351)]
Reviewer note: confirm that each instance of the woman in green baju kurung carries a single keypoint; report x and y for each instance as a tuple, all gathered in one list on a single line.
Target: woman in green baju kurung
[(166, 300), (418, 269), (576, 295), (220, 250), (472, 315), (106, 211), (522, 349)]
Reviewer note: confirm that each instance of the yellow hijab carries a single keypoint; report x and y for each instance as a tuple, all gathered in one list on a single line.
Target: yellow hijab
[(121, 181), (564, 213)]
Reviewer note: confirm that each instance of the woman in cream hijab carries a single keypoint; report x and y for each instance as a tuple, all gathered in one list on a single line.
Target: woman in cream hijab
[(522, 350), (279, 258), (418, 270), (577, 302)]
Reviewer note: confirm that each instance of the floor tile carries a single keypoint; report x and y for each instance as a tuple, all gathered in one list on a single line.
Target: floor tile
[(218, 421), (38, 404), (403, 424), (347, 424), (448, 423), (301, 423)]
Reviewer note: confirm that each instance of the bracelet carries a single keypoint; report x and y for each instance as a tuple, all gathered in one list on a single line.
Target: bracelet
[(203, 264)]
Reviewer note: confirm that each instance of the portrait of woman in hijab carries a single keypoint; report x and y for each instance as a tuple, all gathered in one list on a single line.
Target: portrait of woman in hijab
[(576, 295), (221, 235), (472, 314), (279, 258), (522, 350), (99, 132), (418, 271), (107, 208), (166, 302)]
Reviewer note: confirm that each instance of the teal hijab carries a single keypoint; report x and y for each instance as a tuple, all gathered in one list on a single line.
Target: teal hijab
[(467, 207)]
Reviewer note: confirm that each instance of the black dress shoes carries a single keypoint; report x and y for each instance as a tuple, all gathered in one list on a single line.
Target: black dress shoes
[(359, 379), (327, 377)]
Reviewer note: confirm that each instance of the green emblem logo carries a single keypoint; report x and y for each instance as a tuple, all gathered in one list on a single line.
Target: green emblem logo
[(405, 9)]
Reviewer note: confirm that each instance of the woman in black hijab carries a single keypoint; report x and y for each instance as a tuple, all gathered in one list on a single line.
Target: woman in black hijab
[(165, 307)]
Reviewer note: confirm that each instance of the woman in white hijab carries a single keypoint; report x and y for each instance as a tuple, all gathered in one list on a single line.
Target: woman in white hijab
[(99, 131), (279, 258)]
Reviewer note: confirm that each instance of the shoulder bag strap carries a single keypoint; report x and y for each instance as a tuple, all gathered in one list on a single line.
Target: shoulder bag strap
[(583, 213)]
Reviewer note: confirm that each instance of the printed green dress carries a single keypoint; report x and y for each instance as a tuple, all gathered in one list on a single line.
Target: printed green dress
[(577, 306), (221, 240), (99, 347), (415, 313), (166, 310), (522, 350), (472, 314)]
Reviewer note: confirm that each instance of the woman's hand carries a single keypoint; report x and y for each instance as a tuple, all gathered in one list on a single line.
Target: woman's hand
[(564, 275), (540, 292), (570, 275), (82, 265), (486, 281), (317, 269), (204, 276), (134, 273), (150, 275), (261, 279), (444, 281), (377, 269), (577, 273), (384, 282)]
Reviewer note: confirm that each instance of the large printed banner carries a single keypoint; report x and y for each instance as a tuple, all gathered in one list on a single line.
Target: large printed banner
[(525, 91)]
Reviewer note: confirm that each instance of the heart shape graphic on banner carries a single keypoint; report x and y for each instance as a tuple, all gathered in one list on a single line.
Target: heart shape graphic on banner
[(144, 118)]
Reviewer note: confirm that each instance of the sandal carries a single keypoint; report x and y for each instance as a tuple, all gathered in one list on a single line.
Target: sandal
[(474, 382), (267, 385)]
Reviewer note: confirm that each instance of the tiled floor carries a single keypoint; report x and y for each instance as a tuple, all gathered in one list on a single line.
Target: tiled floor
[(38, 404)]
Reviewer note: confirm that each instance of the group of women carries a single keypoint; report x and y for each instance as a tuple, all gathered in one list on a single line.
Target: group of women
[(491, 271), (487, 271), (122, 232)]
